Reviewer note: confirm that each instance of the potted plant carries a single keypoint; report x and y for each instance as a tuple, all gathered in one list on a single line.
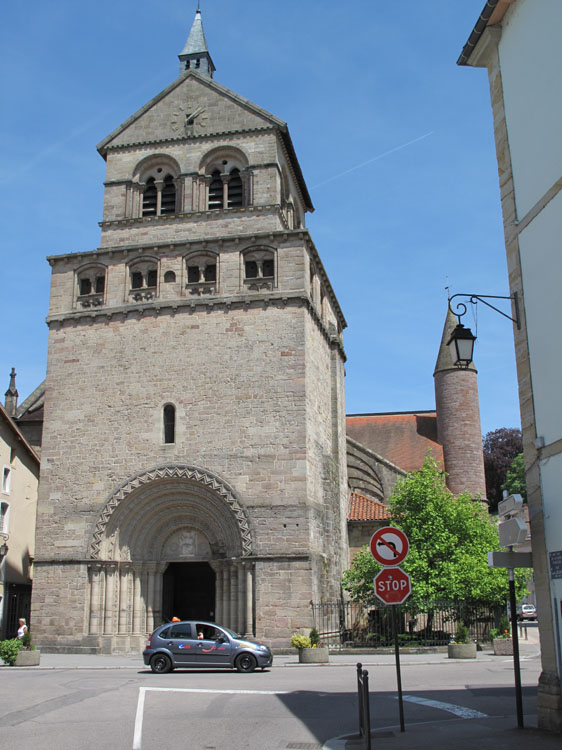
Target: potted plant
[(502, 642), (310, 652), (9, 651), (28, 655), (461, 647)]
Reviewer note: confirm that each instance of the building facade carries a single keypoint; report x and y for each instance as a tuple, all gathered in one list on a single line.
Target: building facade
[(518, 41), (193, 449), (19, 465)]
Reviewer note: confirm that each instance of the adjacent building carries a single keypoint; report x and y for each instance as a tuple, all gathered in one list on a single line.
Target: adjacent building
[(518, 41)]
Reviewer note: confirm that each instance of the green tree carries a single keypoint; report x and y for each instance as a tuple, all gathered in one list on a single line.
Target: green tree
[(515, 478), (449, 536)]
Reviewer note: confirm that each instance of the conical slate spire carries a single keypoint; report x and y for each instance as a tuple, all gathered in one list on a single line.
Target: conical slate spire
[(195, 54), (11, 395)]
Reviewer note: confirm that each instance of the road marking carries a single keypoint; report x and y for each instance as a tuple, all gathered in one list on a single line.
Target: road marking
[(464, 713), (137, 735)]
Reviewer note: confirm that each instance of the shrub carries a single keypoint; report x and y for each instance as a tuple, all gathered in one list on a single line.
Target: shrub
[(27, 641), (461, 636), (9, 651), (300, 641), (314, 636)]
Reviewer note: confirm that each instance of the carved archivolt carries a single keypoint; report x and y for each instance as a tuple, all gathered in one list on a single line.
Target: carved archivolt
[(191, 474)]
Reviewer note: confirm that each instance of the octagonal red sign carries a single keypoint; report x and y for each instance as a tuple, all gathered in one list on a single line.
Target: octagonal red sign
[(392, 586)]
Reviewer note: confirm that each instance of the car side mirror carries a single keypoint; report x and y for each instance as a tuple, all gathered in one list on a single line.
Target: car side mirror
[(221, 639)]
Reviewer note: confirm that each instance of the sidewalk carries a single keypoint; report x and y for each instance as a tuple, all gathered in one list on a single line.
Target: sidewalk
[(528, 649)]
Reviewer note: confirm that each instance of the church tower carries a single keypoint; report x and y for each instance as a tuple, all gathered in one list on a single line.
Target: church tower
[(458, 420), (193, 457)]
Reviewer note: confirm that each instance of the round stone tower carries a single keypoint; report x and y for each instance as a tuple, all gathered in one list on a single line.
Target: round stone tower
[(458, 420)]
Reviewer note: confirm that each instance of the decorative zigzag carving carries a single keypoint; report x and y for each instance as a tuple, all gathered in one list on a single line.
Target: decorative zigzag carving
[(173, 472)]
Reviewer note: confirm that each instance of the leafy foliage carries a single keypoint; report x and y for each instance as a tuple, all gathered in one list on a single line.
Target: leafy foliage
[(300, 641), (500, 448), (515, 478), (449, 536), (462, 636), (9, 650), (314, 636)]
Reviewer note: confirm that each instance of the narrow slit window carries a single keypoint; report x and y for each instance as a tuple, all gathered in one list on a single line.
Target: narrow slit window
[(85, 286), (136, 280), (6, 479), (151, 277), (100, 284), (149, 198), (251, 269), (268, 268), (193, 274), (168, 196), (169, 423), (234, 189), (216, 191), (4, 508)]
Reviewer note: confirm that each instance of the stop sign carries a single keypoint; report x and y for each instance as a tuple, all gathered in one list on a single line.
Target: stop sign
[(392, 585)]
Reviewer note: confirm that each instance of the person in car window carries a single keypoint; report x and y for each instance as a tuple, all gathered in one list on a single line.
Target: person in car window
[(200, 636)]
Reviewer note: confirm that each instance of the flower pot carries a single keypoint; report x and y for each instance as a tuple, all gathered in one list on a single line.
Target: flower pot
[(503, 646), (318, 655), (461, 650), (27, 659)]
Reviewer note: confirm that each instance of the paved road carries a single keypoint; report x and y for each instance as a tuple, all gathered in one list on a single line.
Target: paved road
[(113, 703)]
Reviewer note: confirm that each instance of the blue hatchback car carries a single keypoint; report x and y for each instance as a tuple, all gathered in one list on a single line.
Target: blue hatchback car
[(192, 644)]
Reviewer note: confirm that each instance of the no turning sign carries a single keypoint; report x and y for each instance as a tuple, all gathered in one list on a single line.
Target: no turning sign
[(389, 546)]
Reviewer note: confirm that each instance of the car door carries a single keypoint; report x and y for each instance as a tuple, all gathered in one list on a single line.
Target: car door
[(213, 646), (181, 642)]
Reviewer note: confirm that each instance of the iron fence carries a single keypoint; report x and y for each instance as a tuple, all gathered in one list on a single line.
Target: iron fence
[(353, 624)]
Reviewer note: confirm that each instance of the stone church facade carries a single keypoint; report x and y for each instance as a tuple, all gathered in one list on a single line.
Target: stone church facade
[(196, 458), (193, 450)]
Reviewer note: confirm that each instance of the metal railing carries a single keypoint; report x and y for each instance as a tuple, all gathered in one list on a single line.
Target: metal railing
[(352, 624)]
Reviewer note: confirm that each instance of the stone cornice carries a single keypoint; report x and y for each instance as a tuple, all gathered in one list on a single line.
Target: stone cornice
[(192, 215), (179, 140)]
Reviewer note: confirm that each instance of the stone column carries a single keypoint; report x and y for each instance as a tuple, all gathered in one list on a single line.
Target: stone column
[(218, 593), (95, 589), (240, 625), (249, 567), (226, 595), (224, 178), (233, 596), (150, 599), (138, 605), (158, 584), (109, 599), (123, 626)]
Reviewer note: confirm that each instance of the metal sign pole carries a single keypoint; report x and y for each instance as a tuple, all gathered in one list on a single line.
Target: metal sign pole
[(398, 676), (515, 639)]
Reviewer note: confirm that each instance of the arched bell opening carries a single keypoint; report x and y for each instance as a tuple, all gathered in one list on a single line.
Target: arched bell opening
[(170, 543)]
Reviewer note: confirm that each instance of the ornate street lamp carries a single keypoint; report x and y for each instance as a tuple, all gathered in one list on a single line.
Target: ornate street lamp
[(461, 343)]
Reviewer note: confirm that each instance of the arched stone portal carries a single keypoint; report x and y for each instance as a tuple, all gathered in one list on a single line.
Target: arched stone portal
[(152, 536)]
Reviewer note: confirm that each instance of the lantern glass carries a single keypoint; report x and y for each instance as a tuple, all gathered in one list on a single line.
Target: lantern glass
[(461, 346)]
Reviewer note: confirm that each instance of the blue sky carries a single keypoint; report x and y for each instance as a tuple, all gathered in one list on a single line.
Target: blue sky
[(394, 139)]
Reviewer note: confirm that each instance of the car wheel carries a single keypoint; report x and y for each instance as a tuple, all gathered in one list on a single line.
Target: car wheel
[(245, 663), (160, 664)]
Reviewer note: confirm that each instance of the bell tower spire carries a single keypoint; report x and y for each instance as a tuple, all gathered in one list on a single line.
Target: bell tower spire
[(195, 54)]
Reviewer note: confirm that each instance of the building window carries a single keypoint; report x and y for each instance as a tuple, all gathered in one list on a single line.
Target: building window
[(169, 277), (259, 268), (168, 205), (149, 198), (6, 479), (216, 191), (143, 280), (91, 286), (202, 274), (4, 517), (159, 196), (169, 423), (226, 189)]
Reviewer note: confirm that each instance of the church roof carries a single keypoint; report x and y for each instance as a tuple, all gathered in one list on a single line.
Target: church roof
[(363, 508), (403, 438), (196, 41)]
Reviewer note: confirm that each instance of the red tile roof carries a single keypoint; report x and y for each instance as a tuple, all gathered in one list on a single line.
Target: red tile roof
[(362, 508), (403, 438)]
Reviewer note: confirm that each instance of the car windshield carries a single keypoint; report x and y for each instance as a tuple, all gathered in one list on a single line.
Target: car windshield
[(231, 632)]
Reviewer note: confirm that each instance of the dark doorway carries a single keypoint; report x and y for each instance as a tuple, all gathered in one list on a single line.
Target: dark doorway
[(189, 591)]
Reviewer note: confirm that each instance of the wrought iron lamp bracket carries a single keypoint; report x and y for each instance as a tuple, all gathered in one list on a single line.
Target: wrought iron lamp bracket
[(461, 308)]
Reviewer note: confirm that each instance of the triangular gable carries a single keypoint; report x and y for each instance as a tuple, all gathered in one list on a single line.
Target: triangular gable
[(163, 116)]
